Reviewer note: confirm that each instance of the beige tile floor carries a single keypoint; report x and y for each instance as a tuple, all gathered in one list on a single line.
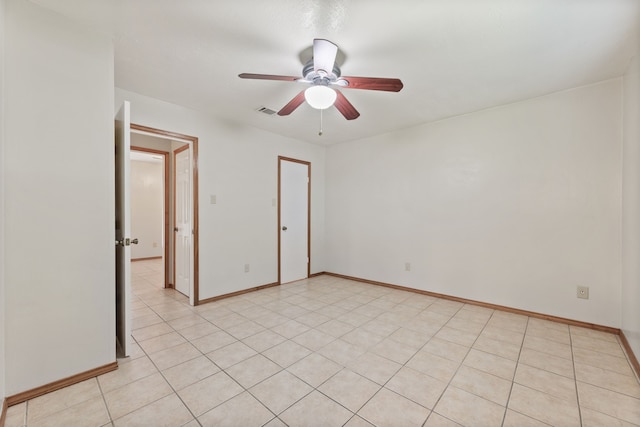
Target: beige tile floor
[(331, 352)]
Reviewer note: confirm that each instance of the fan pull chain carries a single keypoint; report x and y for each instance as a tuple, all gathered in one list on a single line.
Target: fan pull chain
[(320, 133)]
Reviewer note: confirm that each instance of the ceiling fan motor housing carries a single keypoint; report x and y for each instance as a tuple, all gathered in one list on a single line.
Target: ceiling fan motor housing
[(320, 77)]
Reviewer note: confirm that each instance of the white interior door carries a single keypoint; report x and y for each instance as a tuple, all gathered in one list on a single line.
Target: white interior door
[(183, 220), (123, 229), (294, 220)]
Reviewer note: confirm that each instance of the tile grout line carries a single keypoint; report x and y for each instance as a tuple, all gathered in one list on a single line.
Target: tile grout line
[(636, 373), (575, 377), (316, 351), (104, 400), (462, 362), (513, 380), (224, 370), (601, 386), (259, 353), (454, 374), (163, 376), (401, 365), (175, 392), (160, 371), (354, 414), (316, 389)]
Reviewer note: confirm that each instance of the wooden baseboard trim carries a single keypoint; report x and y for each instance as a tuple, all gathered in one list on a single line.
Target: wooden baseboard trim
[(235, 294), (146, 259), (633, 360), (557, 319), (3, 412), (632, 357), (57, 385), (245, 291)]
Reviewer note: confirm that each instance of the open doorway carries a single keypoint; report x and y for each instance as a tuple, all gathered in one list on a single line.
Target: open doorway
[(150, 191), (164, 143)]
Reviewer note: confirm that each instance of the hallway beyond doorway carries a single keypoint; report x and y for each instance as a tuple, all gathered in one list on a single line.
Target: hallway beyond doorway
[(148, 272)]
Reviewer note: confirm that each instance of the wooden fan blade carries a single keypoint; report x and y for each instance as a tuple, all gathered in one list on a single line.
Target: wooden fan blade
[(371, 83), (268, 77), (292, 105), (344, 106)]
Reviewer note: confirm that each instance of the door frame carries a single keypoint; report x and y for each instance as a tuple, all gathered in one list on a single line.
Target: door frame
[(193, 142), (308, 164), (165, 204)]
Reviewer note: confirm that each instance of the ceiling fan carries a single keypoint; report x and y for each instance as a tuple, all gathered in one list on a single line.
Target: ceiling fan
[(322, 73)]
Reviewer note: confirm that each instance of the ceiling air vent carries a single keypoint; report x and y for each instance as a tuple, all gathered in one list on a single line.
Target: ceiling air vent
[(267, 111)]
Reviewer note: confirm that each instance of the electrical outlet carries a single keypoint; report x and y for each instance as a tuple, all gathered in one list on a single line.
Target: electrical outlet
[(583, 292), (246, 268), (407, 266)]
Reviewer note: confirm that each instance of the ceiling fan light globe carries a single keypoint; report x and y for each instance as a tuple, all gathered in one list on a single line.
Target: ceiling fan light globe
[(320, 97)]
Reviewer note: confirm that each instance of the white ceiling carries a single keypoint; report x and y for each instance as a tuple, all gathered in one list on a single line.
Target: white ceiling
[(453, 56)]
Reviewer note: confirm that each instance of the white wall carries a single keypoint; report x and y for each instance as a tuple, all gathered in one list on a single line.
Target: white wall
[(631, 207), (513, 206), (59, 205), (147, 208), (3, 322), (239, 165)]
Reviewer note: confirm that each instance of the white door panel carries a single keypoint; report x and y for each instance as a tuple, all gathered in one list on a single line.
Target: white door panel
[(294, 220), (183, 221)]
